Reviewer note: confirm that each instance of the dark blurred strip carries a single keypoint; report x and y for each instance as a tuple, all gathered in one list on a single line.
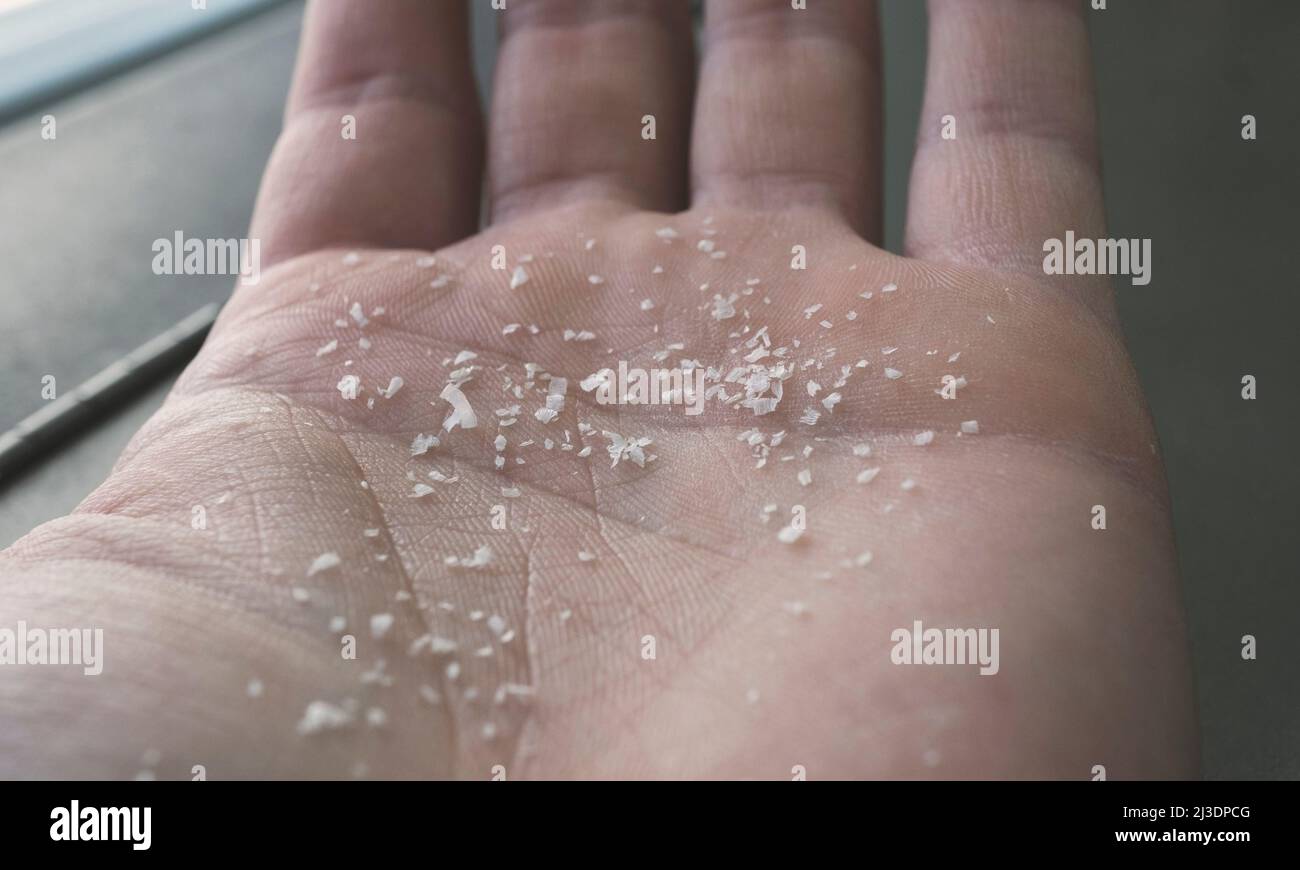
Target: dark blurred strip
[(73, 413)]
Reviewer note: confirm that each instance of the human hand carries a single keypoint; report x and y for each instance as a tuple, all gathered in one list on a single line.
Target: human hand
[(768, 653)]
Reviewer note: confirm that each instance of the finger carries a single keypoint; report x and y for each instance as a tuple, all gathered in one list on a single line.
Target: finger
[(788, 111), (1010, 83), (580, 85), (395, 76)]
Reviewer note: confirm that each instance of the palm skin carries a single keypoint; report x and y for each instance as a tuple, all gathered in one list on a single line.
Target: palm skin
[(769, 657)]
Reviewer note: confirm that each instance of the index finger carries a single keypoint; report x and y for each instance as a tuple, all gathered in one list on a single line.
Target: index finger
[(382, 144)]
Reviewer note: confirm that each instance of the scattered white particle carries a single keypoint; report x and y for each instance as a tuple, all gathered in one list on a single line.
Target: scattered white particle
[(380, 623), (430, 695), (440, 281), (893, 374), (586, 556), (989, 318), (358, 315), (831, 401), (863, 559), (920, 439), (420, 490), (724, 308), (805, 477), (301, 595), (889, 288), (461, 413), (394, 384), (907, 485), (453, 671), (705, 245), (323, 716), (518, 278), (647, 304), (482, 556), (351, 258), (376, 717), (338, 624), (954, 357), (624, 447), (254, 688), (347, 386), (595, 280), (867, 475), (811, 310), (323, 562), (425, 262), (329, 347), (545, 415), (810, 417), (489, 730), (499, 443), (861, 450), (789, 534), (666, 233), (422, 443), (510, 492), (970, 427)]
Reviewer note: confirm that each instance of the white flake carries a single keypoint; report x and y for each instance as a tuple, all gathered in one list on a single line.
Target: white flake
[(867, 475), (461, 414), (518, 278), (789, 534), (323, 716), (380, 624), (323, 562)]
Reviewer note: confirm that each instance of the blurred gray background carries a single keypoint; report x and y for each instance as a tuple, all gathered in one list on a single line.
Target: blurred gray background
[(1174, 79)]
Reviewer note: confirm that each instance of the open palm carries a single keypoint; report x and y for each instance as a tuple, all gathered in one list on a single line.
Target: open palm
[(524, 597)]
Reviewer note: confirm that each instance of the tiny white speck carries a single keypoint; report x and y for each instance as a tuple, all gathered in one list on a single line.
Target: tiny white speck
[(323, 562), (380, 624)]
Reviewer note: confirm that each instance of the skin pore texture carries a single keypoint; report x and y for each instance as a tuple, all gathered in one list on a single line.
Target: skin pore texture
[(768, 654)]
